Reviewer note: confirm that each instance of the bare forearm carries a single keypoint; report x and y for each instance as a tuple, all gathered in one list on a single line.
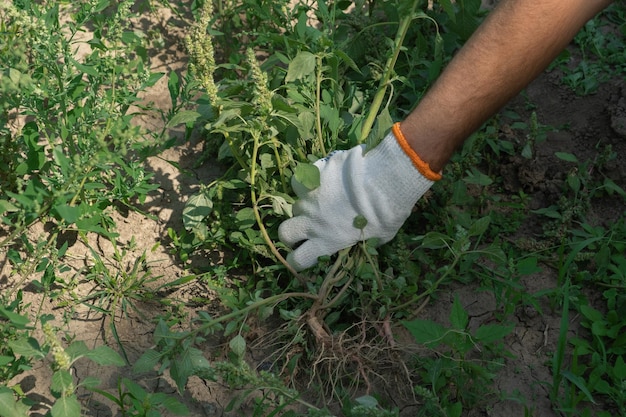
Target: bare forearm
[(515, 43)]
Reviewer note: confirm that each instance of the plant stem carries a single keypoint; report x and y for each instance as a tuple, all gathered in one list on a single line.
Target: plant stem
[(430, 290), (275, 299), (279, 163), (389, 68), (559, 354), (257, 214), (235, 151), (318, 99)]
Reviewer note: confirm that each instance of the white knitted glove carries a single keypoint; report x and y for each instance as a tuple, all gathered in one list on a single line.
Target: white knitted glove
[(381, 185)]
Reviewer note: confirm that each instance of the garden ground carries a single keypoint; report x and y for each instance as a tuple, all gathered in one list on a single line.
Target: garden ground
[(594, 119)]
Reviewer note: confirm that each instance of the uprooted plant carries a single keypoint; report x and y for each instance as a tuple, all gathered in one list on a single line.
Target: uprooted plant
[(267, 116)]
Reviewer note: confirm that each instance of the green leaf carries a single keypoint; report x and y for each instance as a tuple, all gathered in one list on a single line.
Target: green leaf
[(476, 177), (304, 123), (527, 151), (466, 20), (491, 332), (16, 320), (346, 58), (70, 214), (619, 369), (183, 116), (609, 185), (238, 346), (6, 206), (90, 382), (384, 122), (565, 156), (245, 218), (435, 240), (198, 361), (62, 160), (425, 331), (551, 212), (448, 8), (104, 355), (528, 266), (359, 222), (458, 316), (86, 69), (134, 389), (147, 361), (591, 313), (197, 208), (301, 66), (76, 350), (14, 76), (574, 182), (173, 85), (175, 407), (579, 382), (367, 401), (62, 382), (308, 175), (454, 410), (479, 226), (28, 348), (9, 406), (281, 206), (189, 363), (66, 407), (153, 78)]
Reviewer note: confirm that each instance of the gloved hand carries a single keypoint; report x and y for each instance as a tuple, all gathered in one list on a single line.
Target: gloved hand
[(381, 185)]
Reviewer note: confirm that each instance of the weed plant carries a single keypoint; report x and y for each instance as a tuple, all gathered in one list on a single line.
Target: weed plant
[(601, 49), (278, 104), (71, 155)]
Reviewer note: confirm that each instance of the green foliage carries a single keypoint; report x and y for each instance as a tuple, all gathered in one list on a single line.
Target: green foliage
[(595, 372), (62, 385), (133, 400), (274, 86), (448, 377), (68, 120), (316, 90), (70, 154), (602, 52), (13, 326)]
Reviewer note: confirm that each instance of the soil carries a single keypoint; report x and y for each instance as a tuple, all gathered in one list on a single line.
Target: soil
[(592, 121)]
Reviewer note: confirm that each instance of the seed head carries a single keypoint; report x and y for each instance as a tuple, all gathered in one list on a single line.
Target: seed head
[(61, 359), (202, 54), (262, 94)]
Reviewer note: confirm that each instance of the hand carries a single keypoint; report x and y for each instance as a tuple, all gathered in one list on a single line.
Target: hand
[(381, 185)]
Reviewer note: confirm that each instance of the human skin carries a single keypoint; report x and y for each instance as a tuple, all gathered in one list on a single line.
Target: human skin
[(517, 41)]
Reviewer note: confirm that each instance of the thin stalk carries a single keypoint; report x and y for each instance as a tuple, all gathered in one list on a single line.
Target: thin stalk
[(236, 152), (318, 99), (389, 68), (379, 281), (279, 163), (559, 354), (430, 290), (257, 214), (275, 299)]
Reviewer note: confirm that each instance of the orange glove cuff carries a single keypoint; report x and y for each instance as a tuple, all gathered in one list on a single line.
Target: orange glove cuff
[(419, 164)]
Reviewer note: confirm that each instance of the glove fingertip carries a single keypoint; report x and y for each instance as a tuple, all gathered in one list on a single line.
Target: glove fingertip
[(295, 264), (292, 231), (306, 255)]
